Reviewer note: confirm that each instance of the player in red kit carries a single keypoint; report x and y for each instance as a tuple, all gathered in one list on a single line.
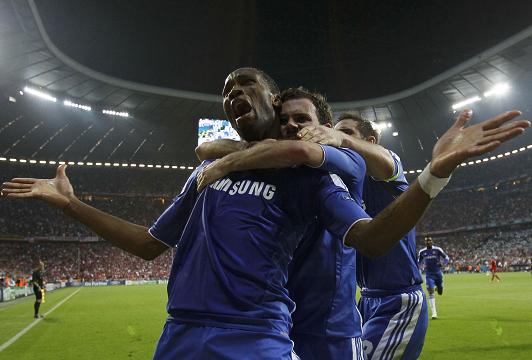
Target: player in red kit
[(493, 269)]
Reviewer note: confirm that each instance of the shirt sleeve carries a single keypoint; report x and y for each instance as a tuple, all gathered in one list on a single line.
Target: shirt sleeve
[(169, 226), (338, 211), (345, 163)]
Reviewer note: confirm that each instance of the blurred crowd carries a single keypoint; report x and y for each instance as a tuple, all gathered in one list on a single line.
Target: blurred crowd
[(472, 219)]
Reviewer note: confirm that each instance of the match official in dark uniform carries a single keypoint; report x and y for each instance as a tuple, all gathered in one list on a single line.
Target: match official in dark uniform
[(38, 286)]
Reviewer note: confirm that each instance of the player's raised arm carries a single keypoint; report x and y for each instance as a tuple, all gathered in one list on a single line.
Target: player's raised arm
[(265, 155), (59, 193), (375, 237), (379, 163), (219, 148)]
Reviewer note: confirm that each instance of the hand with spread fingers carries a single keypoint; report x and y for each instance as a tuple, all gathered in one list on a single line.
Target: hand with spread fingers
[(210, 174), (461, 142), (322, 135), (57, 191)]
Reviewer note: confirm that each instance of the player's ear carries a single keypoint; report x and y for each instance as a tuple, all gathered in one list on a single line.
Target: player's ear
[(372, 139), (276, 102), (329, 125)]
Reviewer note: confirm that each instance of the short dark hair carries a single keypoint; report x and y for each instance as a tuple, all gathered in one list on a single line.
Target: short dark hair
[(323, 109), (272, 85), (364, 126)]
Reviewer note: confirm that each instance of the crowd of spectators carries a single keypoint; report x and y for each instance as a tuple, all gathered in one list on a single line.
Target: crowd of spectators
[(467, 219)]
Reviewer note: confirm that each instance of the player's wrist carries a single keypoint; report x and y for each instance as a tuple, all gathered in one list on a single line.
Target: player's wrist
[(431, 184)]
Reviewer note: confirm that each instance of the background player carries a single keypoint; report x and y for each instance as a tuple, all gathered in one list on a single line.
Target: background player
[(493, 269), (431, 259), (37, 279)]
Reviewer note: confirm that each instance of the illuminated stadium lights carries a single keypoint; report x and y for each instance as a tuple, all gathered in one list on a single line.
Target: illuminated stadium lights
[(395, 133), (107, 164), (191, 167), (507, 153), (150, 165), (158, 166), (498, 89), (529, 147), (3, 159), (22, 160), (141, 165), (81, 163), (133, 165), (124, 165), (500, 156), (493, 157), (12, 99), (98, 164), (71, 163), (12, 160), (466, 102), (77, 106), (42, 162), (89, 164), (182, 167), (40, 94), (174, 166), (116, 164), (115, 113), (383, 125), (522, 149), (61, 163), (166, 166), (21, 92)]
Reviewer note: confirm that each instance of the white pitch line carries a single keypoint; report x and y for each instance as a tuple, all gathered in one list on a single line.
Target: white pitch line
[(35, 322)]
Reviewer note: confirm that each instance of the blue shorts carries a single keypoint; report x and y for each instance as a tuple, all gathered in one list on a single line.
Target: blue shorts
[(311, 347), (184, 341), (434, 280), (394, 326)]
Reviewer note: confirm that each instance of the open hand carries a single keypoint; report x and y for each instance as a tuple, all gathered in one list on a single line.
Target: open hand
[(460, 142), (57, 191)]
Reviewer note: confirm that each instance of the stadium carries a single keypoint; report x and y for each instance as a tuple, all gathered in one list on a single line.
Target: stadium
[(126, 93)]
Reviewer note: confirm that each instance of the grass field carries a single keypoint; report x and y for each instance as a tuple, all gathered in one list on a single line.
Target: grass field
[(478, 320)]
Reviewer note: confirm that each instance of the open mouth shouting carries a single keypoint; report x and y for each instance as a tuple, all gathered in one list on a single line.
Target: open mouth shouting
[(241, 108)]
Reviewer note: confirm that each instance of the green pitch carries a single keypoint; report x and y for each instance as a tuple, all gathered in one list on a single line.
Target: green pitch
[(477, 320)]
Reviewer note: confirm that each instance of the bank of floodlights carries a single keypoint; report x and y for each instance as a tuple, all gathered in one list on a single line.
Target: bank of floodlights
[(497, 90)]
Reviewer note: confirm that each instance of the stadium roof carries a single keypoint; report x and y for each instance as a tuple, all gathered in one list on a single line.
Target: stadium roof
[(30, 56)]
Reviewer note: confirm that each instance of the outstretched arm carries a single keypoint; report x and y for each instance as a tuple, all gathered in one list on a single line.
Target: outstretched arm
[(375, 237), (219, 148), (59, 193), (265, 155)]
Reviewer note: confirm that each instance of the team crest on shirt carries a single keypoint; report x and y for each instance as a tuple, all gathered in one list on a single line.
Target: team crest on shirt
[(249, 187)]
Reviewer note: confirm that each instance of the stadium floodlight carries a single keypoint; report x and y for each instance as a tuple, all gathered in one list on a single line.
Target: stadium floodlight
[(150, 165), (493, 157), (42, 162), (182, 167), (61, 163), (124, 165), (52, 162), (514, 151), (22, 160), (115, 113), (133, 165), (470, 163), (507, 153), (81, 163), (395, 133), (3, 159), (12, 99), (142, 165), (166, 166), (21, 92), (191, 167), (13, 160), (478, 161), (463, 164), (40, 94), (500, 156), (466, 102), (522, 149), (411, 172), (158, 166), (174, 166), (116, 164), (389, 124), (529, 146), (69, 103), (98, 164), (89, 164), (107, 164), (499, 89), (485, 159), (419, 171), (71, 163)]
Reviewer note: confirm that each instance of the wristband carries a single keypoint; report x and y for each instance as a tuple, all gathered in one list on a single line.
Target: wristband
[(431, 184)]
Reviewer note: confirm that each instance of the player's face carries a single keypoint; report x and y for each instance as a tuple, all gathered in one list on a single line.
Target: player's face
[(250, 105), (295, 115), (428, 242), (349, 127)]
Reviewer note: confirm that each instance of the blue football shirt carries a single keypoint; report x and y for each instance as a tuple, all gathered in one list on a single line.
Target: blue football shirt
[(398, 268), (236, 238), (322, 278), (433, 259)]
